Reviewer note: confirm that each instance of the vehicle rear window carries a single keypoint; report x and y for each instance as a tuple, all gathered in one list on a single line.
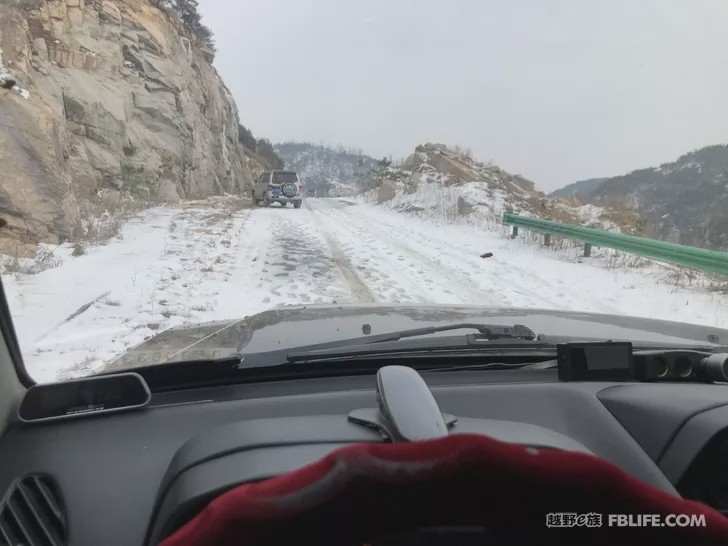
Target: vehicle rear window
[(282, 178)]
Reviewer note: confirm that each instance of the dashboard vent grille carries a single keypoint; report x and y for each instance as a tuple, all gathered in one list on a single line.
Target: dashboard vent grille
[(31, 513)]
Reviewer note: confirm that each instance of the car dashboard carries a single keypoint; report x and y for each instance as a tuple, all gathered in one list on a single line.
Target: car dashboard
[(133, 478)]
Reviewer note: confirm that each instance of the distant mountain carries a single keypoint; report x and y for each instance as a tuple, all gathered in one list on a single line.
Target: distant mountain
[(332, 172), (684, 201), (577, 189)]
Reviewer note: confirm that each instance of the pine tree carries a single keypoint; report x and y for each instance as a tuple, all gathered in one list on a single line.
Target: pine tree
[(189, 14)]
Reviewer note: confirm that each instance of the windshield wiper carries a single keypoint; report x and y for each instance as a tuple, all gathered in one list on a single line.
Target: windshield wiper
[(493, 334), (489, 331)]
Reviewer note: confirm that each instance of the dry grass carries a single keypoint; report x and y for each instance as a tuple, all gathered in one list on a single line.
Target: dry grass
[(45, 258), (463, 151), (79, 249), (621, 260), (101, 224), (79, 368), (552, 209), (619, 212)]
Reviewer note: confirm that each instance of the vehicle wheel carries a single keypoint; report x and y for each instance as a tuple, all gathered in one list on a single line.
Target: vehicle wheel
[(284, 204), (297, 204)]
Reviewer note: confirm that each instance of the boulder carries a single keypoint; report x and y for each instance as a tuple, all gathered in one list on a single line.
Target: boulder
[(464, 208), (386, 192), (452, 166)]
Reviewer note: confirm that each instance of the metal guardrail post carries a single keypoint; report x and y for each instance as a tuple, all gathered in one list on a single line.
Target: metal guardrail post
[(514, 232), (547, 239), (587, 250)]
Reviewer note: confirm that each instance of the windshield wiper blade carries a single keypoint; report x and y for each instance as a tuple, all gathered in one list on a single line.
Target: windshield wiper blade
[(489, 336), (489, 331), (485, 332)]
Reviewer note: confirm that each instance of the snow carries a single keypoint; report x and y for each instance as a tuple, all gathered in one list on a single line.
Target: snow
[(433, 201), (209, 261), (6, 74)]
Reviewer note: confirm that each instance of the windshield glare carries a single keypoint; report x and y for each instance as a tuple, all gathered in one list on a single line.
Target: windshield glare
[(472, 162)]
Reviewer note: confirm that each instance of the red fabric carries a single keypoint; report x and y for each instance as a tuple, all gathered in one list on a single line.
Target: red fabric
[(366, 490)]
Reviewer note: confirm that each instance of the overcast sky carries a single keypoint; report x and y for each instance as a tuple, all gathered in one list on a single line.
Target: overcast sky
[(556, 90)]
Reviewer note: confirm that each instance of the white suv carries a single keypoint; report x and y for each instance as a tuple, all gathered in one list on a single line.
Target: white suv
[(278, 187)]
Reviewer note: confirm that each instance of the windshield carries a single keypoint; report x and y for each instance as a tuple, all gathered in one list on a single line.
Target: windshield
[(532, 163)]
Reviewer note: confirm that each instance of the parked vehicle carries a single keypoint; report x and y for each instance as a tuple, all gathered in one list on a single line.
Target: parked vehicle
[(278, 187)]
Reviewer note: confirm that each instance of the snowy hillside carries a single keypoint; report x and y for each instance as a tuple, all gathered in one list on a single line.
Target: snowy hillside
[(331, 172), (441, 183)]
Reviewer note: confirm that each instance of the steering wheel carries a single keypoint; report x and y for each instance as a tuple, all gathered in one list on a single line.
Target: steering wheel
[(511, 494)]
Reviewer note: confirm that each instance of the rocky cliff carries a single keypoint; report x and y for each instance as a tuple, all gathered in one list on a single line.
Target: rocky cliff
[(118, 102)]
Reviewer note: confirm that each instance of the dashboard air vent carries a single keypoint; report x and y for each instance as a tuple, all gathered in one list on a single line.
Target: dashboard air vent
[(31, 513)]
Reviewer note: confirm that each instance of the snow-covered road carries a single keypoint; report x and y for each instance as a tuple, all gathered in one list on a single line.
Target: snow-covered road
[(213, 261)]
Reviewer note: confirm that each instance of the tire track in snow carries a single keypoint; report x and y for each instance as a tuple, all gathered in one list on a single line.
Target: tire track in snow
[(433, 280), (461, 263), (358, 288), (379, 270), (525, 285)]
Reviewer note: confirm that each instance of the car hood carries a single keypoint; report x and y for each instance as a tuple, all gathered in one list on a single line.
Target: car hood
[(296, 326)]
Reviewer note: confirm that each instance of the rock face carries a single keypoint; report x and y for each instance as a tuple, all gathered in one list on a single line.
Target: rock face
[(121, 102)]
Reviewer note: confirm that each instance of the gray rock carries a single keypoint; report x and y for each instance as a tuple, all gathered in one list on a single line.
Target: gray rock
[(132, 57), (386, 192), (464, 207), (41, 48), (452, 166), (159, 70), (109, 13), (102, 159), (110, 198), (160, 106), (147, 41), (167, 191)]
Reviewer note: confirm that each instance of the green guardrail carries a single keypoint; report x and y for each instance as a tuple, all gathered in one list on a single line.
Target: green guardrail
[(690, 256)]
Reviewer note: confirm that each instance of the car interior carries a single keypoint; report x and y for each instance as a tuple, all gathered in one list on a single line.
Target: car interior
[(153, 457)]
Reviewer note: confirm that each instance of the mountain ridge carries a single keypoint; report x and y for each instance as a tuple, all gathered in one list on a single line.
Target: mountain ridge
[(683, 200), (329, 171)]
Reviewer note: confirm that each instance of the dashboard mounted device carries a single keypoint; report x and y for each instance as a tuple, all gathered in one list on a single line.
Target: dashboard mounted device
[(83, 397), (602, 361)]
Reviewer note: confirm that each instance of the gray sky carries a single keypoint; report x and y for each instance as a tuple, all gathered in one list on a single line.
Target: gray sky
[(556, 90)]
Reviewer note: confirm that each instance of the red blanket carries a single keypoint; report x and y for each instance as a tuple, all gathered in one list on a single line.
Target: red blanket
[(365, 491)]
